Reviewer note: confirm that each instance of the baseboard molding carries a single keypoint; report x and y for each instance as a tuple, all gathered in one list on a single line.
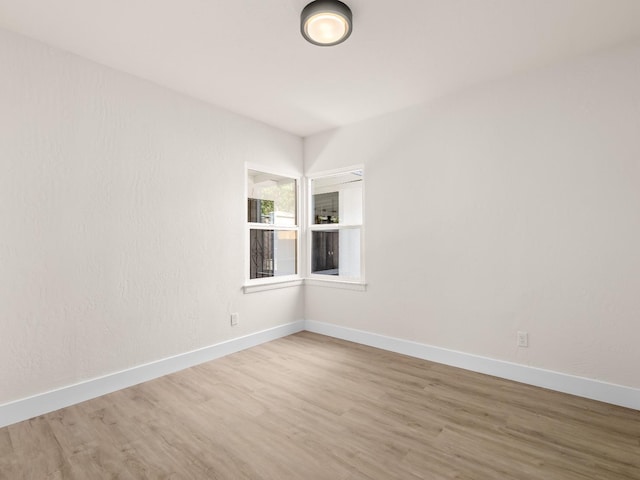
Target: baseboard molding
[(561, 382), (40, 404)]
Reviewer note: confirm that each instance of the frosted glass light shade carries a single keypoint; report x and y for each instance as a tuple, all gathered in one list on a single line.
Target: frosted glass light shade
[(326, 22)]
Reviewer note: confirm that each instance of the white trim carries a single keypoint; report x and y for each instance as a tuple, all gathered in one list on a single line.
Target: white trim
[(335, 171), (271, 171), (272, 285), (319, 227), (40, 404), (583, 387), (342, 284), (297, 176), (272, 226), (311, 227)]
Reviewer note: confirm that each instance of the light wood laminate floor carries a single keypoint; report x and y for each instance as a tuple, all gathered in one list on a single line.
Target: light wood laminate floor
[(311, 407)]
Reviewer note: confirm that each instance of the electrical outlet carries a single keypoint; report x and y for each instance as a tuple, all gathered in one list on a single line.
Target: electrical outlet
[(523, 339), (234, 319)]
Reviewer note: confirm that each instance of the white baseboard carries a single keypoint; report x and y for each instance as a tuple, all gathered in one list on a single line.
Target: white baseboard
[(40, 404), (561, 382)]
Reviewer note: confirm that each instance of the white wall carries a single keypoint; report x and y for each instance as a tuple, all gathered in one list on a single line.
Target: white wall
[(121, 220), (511, 206)]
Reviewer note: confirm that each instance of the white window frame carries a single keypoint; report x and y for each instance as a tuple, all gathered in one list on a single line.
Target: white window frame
[(321, 280), (252, 285)]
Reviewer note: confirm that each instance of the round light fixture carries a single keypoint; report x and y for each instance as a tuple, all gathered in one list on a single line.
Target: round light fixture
[(326, 22)]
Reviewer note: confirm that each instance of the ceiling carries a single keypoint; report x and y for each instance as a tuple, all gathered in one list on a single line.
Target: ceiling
[(248, 55)]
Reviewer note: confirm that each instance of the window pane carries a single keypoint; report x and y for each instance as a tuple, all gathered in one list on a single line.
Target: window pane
[(337, 198), (272, 253), (350, 253), (325, 252), (272, 199), (260, 211), (325, 208), (261, 253), (285, 252), (336, 252)]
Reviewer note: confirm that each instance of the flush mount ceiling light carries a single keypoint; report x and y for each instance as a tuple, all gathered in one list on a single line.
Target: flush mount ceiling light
[(326, 22)]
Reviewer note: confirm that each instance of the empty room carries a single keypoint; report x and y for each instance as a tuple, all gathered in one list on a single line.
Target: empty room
[(320, 240)]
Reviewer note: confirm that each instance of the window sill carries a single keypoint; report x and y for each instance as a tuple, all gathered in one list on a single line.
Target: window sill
[(312, 282), (272, 285), (341, 284)]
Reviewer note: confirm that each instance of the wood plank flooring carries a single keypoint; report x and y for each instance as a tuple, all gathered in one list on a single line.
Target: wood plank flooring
[(312, 407)]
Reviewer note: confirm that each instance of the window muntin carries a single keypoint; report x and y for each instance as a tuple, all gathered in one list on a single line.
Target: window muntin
[(272, 220), (335, 225)]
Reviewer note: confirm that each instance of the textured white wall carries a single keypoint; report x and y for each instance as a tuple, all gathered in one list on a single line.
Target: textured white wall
[(511, 206), (121, 220)]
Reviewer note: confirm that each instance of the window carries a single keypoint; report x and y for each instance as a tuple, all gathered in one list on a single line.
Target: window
[(272, 221), (335, 226)]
